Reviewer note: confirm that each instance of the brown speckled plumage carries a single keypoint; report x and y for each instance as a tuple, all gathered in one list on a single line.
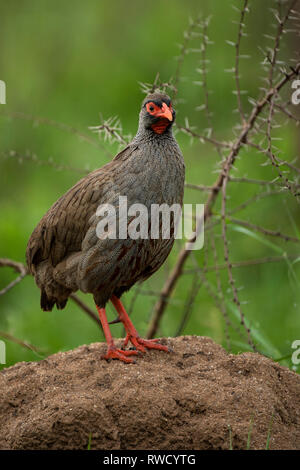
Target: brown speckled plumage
[(64, 253)]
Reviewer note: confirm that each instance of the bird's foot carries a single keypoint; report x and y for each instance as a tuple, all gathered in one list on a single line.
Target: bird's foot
[(140, 344), (115, 353), (132, 335)]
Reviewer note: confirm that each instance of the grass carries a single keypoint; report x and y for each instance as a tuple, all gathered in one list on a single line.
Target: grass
[(269, 432), (89, 442), (248, 444)]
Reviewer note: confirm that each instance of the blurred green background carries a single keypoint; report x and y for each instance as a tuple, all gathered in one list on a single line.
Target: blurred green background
[(70, 61)]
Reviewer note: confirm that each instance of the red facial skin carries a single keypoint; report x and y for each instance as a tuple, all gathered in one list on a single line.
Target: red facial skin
[(164, 113)]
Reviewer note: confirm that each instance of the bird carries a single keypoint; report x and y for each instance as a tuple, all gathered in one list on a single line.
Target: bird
[(64, 252)]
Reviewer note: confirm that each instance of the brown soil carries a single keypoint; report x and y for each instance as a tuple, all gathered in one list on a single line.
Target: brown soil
[(193, 398)]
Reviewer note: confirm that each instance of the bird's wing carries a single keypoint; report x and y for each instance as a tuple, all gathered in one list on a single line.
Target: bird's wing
[(63, 228)]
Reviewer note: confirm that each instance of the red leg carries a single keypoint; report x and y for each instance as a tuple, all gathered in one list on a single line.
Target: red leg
[(132, 335), (112, 351)]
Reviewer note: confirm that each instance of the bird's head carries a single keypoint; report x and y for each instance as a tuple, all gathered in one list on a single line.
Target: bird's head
[(157, 113)]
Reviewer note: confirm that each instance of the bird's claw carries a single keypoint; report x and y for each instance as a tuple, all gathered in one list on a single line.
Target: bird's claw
[(114, 353), (140, 344)]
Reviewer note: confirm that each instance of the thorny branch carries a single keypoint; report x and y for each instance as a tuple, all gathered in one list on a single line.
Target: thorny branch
[(220, 185), (18, 267), (37, 120), (237, 60), (22, 269), (223, 176)]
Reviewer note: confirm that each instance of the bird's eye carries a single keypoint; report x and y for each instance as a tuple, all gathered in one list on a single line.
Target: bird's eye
[(150, 107)]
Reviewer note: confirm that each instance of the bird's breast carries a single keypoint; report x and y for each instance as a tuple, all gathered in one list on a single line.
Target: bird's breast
[(156, 176)]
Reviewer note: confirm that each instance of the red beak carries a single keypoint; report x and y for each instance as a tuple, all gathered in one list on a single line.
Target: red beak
[(165, 112)]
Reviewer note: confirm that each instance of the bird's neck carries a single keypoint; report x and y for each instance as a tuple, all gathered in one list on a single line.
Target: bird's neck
[(149, 135)]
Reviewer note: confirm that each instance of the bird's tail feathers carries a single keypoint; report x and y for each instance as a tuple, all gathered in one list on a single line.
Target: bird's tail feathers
[(47, 303)]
